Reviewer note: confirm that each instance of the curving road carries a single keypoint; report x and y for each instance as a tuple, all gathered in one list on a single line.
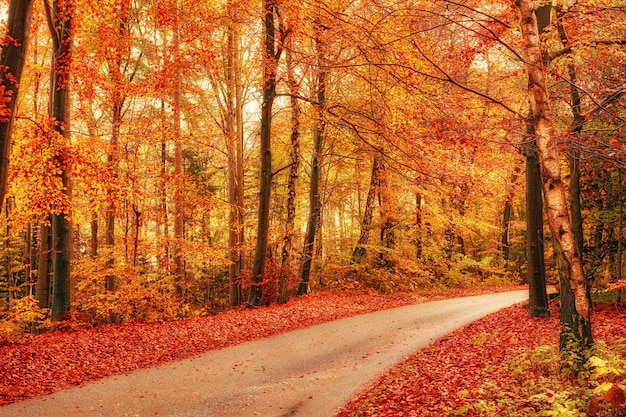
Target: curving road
[(310, 372)]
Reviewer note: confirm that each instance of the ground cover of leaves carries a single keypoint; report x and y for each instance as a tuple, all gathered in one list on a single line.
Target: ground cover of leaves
[(472, 371), (488, 368), (45, 363)]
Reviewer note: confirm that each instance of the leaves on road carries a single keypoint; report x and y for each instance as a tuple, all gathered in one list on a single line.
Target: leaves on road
[(53, 361)]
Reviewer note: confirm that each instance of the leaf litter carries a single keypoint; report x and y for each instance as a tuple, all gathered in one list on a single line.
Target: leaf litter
[(453, 374)]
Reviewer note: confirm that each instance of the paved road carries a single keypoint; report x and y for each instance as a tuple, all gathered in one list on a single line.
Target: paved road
[(310, 372)]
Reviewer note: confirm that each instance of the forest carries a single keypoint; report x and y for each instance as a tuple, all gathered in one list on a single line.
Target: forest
[(168, 159)]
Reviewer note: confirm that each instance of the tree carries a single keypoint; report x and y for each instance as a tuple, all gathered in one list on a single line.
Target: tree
[(179, 203), (60, 19), (231, 109), (576, 136), (537, 294), (118, 98), (575, 337), (271, 52), (12, 63), (538, 297), (294, 157), (319, 130), (368, 213)]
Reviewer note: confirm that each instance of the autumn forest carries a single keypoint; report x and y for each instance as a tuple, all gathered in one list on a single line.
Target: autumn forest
[(164, 159)]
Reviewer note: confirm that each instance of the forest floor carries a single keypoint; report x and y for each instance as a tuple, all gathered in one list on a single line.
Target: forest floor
[(447, 378), (506, 364)]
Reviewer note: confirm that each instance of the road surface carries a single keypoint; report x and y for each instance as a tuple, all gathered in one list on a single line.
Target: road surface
[(310, 372)]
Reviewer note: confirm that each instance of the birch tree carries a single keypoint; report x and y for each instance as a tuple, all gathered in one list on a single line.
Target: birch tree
[(575, 337)]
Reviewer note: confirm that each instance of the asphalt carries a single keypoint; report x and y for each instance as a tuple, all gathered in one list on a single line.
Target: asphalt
[(310, 372)]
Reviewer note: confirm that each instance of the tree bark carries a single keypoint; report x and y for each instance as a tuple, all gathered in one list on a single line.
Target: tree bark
[(294, 156), (42, 288), (93, 247), (165, 261), (537, 297), (507, 215), (112, 157), (388, 211), (231, 131), (60, 18), (418, 226), (271, 55), (620, 246), (368, 213), (12, 63), (179, 215), (315, 206), (575, 337), (578, 121), (117, 104)]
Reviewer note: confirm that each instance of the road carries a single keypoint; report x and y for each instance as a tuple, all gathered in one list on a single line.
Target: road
[(310, 372)]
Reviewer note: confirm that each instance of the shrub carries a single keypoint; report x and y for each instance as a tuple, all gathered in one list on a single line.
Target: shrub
[(139, 296), (21, 316)]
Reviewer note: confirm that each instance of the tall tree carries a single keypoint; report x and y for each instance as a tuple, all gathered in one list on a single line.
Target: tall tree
[(575, 337), (294, 156), (271, 51), (179, 203), (319, 131), (537, 294), (60, 15), (233, 130), (117, 104), (12, 60)]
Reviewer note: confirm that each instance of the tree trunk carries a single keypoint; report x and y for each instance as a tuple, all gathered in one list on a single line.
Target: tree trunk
[(294, 155), (42, 288), (575, 337), (117, 103), (388, 209), (165, 262), (368, 214), (93, 250), (537, 297), (60, 19), (12, 63), (112, 157), (597, 252), (507, 215), (232, 81), (418, 226), (179, 268), (578, 121), (136, 232), (505, 242), (620, 246), (314, 188), (8, 254), (240, 168), (26, 257), (271, 55)]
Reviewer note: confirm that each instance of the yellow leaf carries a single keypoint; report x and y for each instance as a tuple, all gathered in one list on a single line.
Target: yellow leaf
[(602, 388)]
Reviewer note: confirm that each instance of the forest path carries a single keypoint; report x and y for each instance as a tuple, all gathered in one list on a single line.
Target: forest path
[(310, 372)]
